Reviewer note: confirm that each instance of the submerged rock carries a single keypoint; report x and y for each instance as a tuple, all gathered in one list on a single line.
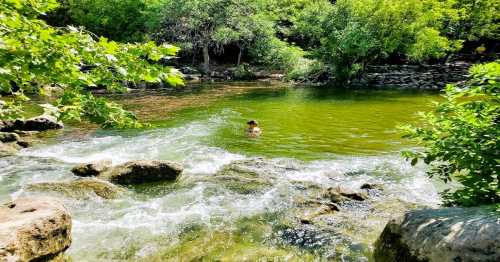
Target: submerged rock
[(81, 188), (91, 169), (447, 234), (321, 209), (26, 133), (8, 149), (24, 143), (341, 194), (143, 171), (246, 176), (33, 229), (369, 186)]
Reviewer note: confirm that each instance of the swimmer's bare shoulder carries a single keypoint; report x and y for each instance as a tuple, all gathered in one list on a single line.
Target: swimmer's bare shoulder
[(253, 129)]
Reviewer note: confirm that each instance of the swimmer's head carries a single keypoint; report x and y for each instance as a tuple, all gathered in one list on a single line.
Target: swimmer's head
[(252, 123)]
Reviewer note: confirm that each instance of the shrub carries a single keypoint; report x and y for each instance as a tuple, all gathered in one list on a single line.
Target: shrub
[(461, 139)]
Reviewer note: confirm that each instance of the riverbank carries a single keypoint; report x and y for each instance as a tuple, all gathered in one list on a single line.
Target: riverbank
[(383, 76)]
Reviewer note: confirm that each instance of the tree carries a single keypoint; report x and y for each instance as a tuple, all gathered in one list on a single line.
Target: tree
[(211, 25), (479, 20), (34, 54), (120, 20), (461, 138), (191, 24), (349, 34)]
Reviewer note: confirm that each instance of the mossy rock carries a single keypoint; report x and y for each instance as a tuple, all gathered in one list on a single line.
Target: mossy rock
[(242, 179), (81, 188), (8, 149)]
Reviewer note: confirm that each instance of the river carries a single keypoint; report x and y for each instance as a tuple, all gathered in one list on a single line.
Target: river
[(313, 139)]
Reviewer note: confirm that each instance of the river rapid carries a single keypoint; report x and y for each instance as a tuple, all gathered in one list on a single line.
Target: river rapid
[(313, 139)]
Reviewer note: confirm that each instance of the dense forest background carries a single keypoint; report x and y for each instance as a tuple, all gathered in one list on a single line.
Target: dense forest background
[(303, 38)]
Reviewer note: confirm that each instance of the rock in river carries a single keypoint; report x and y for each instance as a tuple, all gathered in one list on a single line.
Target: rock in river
[(7, 137), (247, 176), (91, 169), (439, 235), (39, 123), (33, 229), (81, 188), (143, 171), (8, 149), (341, 194)]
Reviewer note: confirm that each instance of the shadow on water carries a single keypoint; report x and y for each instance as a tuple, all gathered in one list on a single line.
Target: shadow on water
[(325, 93)]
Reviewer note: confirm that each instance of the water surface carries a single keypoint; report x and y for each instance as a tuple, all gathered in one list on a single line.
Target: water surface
[(312, 139)]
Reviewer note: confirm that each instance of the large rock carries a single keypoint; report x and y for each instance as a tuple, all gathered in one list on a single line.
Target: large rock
[(80, 188), (448, 234), (33, 229), (91, 169), (144, 171)]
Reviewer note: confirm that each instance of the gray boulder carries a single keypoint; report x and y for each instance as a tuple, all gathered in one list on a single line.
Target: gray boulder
[(33, 229), (440, 235), (143, 171)]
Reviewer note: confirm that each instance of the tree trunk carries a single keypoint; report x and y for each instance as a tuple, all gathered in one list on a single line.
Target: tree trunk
[(239, 56), (206, 59), (193, 59)]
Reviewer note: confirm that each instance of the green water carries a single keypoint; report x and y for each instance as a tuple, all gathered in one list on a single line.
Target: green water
[(312, 123), (239, 199)]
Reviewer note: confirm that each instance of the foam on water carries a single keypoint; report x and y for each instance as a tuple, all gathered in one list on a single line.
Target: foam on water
[(178, 144)]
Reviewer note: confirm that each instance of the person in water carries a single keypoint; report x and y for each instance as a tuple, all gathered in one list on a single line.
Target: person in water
[(253, 129)]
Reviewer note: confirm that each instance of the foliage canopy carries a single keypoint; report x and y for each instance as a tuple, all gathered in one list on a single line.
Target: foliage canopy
[(34, 55)]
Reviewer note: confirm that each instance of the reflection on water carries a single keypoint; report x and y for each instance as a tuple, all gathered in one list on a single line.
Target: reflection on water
[(313, 139)]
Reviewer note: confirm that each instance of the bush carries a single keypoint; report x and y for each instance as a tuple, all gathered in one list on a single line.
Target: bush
[(243, 72), (461, 139), (277, 54)]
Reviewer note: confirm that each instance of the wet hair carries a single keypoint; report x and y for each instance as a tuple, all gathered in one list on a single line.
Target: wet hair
[(252, 122)]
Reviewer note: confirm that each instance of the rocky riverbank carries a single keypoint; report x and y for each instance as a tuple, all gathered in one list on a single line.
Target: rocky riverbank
[(423, 77)]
